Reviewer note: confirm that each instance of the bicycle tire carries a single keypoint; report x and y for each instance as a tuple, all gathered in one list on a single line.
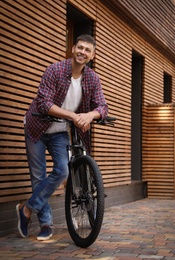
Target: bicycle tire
[(85, 210)]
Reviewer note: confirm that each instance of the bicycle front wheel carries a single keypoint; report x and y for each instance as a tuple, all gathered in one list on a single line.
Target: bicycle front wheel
[(84, 202)]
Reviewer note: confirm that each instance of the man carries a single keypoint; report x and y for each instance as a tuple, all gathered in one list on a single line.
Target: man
[(68, 89)]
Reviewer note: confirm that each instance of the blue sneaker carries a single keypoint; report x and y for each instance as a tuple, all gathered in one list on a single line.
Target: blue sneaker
[(45, 233), (23, 221)]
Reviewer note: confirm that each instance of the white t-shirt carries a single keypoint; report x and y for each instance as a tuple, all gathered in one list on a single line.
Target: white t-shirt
[(71, 103)]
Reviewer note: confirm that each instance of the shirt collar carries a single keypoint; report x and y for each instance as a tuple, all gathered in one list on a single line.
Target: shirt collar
[(69, 71)]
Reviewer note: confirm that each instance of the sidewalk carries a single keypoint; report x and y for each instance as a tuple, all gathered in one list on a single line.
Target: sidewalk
[(143, 229)]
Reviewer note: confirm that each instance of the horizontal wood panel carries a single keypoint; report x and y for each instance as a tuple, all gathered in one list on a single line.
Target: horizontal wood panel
[(154, 14), (158, 151), (33, 35)]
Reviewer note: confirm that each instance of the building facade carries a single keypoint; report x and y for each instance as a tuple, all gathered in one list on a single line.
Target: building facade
[(135, 59)]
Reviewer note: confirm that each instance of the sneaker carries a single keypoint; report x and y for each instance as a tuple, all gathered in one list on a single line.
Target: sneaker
[(45, 233), (23, 221)]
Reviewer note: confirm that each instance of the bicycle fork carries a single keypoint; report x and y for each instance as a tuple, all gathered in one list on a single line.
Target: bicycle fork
[(78, 193)]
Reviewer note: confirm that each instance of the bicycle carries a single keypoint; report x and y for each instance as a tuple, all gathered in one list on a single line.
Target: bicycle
[(84, 195)]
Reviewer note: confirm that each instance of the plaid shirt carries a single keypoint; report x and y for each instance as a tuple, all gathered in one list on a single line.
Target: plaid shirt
[(53, 89)]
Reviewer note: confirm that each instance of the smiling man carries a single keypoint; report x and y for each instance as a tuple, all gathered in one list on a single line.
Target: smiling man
[(68, 89)]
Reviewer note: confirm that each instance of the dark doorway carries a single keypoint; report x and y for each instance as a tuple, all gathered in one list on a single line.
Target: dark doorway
[(77, 24), (136, 116), (167, 88)]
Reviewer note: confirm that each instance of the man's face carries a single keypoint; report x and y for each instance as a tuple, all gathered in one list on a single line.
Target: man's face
[(83, 52)]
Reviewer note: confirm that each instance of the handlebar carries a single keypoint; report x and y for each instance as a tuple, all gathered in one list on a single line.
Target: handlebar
[(106, 121), (49, 118)]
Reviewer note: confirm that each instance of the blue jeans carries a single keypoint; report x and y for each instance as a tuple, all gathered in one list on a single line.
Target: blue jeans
[(44, 185)]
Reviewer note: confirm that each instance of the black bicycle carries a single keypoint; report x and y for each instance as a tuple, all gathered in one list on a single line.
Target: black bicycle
[(84, 198)]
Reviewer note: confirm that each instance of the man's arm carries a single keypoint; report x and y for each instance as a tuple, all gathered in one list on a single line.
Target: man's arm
[(81, 120), (59, 112)]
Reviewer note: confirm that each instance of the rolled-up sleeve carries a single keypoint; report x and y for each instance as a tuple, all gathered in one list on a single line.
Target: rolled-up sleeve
[(46, 90), (98, 102)]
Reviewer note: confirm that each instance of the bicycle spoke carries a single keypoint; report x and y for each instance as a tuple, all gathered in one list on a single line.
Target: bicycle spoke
[(84, 213)]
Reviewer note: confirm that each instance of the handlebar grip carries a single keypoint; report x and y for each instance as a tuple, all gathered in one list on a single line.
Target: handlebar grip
[(110, 119), (107, 121)]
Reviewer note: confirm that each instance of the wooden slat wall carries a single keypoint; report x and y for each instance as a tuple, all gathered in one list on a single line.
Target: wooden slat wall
[(33, 36), (115, 42), (155, 64), (112, 145), (156, 15), (158, 151)]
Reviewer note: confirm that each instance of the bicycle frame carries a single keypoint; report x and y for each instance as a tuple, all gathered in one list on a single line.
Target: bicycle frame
[(75, 145), (84, 195)]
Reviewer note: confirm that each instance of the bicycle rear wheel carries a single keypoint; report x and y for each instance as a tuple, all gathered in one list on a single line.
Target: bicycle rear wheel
[(84, 202)]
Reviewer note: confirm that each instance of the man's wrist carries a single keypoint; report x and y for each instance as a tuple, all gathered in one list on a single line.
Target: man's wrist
[(94, 114), (72, 115)]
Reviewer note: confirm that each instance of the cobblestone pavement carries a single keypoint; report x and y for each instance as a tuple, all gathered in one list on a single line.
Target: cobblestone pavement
[(143, 229)]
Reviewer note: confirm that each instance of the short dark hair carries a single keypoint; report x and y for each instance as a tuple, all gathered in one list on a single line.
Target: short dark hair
[(86, 38)]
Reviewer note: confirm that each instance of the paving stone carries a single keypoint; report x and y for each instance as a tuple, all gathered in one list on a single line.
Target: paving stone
[(151, 257), (140, 230)]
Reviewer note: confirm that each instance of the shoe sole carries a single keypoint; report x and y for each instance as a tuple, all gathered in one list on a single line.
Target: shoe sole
[(44, 238), (19, 221)]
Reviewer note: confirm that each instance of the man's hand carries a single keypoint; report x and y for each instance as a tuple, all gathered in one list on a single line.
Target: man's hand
[(83, 120)]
